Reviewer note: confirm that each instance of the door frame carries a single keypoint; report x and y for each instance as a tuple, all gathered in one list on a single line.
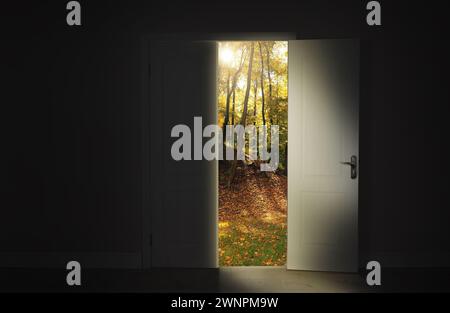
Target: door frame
[(146, 201)]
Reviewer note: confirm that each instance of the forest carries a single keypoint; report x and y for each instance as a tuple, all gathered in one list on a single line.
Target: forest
[(252, 90)]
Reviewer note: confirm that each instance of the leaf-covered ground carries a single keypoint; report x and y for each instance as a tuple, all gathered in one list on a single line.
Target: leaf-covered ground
[(252, 218)]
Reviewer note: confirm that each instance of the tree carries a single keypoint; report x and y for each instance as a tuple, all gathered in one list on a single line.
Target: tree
[(233, 87), (268, 75), (262, 84), (245, 108), (255, 93), (227, 106), (247, 90), (234, 107)]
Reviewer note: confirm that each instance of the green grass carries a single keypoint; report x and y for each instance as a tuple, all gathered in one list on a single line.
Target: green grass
[(249, 241)]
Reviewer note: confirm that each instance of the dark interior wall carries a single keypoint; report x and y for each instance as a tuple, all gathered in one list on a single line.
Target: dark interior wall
[(71, 178), (71, 165)]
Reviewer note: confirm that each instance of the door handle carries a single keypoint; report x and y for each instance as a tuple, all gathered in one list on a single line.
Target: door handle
[(353, 165)]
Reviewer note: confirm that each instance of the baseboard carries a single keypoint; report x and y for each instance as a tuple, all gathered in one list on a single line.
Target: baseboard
[(59, 260)]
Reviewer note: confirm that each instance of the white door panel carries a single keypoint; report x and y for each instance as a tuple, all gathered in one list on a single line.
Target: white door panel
[(323, 132)]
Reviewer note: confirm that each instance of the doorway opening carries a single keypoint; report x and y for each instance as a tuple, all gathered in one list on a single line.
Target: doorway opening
[(252, 89)]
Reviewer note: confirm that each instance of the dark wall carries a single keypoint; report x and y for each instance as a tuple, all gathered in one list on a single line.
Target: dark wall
[(71, 166)]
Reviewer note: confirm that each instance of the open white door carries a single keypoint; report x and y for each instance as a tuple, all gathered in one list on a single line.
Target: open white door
[(323, 134)]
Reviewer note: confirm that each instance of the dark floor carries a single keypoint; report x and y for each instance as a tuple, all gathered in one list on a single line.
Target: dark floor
[(228, 279)]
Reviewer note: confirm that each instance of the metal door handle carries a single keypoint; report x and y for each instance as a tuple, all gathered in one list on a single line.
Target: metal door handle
[(353, 165)]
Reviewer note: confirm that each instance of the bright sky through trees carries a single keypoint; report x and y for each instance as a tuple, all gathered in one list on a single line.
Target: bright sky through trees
[(226, 56)]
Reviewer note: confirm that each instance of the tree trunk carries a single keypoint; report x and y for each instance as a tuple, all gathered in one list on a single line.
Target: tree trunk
[(233, 88), (234, 106), (227, 106), (244, 110), (262, 85), (229, 92), (255, 92), (269, 101), (247, 90)]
